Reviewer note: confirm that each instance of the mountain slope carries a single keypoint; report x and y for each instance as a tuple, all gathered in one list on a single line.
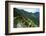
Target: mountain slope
[(26, 18)]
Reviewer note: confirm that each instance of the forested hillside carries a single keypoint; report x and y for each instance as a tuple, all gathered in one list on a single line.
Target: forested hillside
[(23, 18)]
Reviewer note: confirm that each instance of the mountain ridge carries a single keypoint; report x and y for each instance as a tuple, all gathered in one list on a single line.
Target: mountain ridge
[(26, 15)]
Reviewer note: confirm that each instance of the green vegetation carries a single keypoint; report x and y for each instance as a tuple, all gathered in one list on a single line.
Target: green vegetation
[(24, 19)]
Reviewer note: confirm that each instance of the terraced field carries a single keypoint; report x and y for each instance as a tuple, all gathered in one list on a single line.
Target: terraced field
[(24, 19)]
